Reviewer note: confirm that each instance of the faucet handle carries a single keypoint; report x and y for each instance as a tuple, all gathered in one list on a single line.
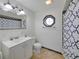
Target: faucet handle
[(25, 35), (11, 39)]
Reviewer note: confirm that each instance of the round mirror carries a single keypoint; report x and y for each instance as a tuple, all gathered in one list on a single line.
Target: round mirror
[(49, 21)]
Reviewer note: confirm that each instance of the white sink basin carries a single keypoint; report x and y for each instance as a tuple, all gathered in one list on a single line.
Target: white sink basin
[(21, 39), (14, 42)]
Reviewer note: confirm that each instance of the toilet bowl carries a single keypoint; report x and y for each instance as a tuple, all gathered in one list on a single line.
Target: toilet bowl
[(37, 48)]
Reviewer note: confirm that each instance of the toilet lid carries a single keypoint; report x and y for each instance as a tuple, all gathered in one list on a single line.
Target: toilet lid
[(37, 44)]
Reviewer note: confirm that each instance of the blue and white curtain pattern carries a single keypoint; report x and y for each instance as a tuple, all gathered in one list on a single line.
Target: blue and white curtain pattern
[(71, 31)]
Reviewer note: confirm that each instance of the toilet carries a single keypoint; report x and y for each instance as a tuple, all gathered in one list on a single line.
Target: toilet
[(37, 48)]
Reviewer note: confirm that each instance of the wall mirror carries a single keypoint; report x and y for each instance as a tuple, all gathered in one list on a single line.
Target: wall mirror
[(11, 23), (49, 20)]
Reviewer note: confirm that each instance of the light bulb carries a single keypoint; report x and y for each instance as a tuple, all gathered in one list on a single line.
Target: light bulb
[(21, 12), (49, 21), (7, 7), (48, 2)]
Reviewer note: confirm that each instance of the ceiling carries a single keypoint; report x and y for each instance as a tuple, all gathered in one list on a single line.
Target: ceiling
[(39, 5)]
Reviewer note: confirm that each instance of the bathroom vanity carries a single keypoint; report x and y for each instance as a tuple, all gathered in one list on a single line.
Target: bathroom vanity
[(18, 48)]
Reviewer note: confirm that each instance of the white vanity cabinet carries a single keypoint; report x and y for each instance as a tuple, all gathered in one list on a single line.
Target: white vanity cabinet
[(18, 50)]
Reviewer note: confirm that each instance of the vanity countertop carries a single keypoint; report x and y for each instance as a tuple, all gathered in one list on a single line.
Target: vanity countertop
[(15, 42)]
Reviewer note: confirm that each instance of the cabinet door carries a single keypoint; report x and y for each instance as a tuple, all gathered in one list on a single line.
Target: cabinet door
[(19, 52), (28, 51), (11, 53), (28, 45)]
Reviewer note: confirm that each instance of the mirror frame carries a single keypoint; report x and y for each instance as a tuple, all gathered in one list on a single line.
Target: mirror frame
[(46, 17)]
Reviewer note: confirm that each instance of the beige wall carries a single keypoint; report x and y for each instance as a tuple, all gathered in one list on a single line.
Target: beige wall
[(50, 37), (7, 34)]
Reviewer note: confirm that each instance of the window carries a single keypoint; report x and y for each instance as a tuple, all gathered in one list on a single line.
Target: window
[(49, 21)]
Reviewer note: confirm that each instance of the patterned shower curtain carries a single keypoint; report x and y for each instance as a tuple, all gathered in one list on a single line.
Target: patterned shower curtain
[(71, 31)]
